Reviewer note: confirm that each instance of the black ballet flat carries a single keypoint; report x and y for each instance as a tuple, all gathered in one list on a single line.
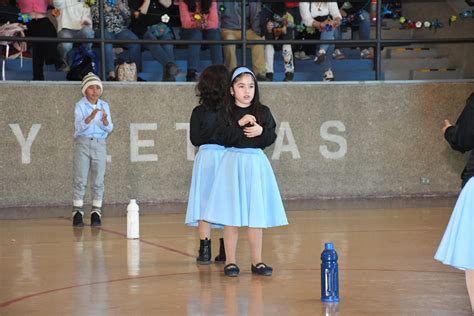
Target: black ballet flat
[(262, 269), (231, 270)]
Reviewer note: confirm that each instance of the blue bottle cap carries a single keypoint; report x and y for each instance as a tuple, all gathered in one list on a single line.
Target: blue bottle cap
[(328, 246)]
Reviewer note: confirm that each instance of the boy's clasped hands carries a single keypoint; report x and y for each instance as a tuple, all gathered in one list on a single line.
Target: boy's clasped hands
[(104, 119)]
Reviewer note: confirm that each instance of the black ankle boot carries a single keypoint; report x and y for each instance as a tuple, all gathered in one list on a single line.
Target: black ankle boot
[(204, 252), (221, 257)]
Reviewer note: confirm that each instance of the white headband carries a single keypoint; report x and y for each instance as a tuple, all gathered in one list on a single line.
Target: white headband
[(242, 70)]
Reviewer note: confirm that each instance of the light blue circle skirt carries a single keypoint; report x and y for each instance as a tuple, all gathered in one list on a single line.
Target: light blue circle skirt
[(457, 246), (206, 164), (245, 191)]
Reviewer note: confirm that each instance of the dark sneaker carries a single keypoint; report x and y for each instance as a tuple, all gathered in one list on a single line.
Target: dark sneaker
[(95, 217), (320, 56), (262, 269), (77, 218), (191, 75), (231, 270), (269, 76), (289, 76)]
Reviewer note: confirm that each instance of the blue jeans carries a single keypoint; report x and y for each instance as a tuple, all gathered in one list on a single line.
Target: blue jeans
[(329, 48), (364, 27), (134, 50), (162, 53), (194, 51), (64, 48)]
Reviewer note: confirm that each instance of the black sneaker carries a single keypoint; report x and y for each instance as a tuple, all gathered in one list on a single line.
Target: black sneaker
[(77, 218), (269, 76), (95, 218), (289, 76)]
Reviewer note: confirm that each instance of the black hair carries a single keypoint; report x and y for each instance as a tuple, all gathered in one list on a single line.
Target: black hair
[(230, 101), (211, 87)]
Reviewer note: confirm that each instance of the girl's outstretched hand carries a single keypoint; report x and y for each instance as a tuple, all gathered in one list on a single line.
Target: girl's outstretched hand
[(253, 131), (246, 119)]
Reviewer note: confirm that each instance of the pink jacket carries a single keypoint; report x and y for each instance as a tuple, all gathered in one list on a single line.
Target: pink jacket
[(30, 6), (188, 22)]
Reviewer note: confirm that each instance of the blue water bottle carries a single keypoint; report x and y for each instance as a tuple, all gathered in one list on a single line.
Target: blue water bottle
[(329, 274)]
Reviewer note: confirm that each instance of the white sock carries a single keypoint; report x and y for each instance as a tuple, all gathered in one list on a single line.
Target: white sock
[(97, 203)]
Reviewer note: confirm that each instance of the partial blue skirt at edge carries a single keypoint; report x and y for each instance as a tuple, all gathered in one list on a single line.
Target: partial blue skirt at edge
[(205, 168), (245, 191), (457, 246)]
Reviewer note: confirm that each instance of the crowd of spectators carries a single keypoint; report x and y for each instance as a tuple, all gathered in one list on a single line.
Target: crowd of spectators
[(187, 20)]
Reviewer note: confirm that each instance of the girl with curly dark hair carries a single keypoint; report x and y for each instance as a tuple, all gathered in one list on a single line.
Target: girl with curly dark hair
[(211, 90)]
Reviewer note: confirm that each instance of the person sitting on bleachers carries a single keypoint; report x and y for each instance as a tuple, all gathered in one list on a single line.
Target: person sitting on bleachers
[(277, 23), (116, 20), (231, 29), (358, 17), (325, 18), (200, 20), (35, 17), (149, 21), (74, 21)]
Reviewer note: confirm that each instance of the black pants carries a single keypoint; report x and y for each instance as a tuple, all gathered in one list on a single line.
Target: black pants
[(46, 52)]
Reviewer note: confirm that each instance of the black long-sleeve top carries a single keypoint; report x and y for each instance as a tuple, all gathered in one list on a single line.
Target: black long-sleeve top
[(203, 126), (232, 135), (461, 137), (155, 11)]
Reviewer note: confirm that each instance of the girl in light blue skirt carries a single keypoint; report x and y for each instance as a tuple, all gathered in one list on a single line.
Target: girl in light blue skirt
[(457, 246), (211, 91), (245, 191)]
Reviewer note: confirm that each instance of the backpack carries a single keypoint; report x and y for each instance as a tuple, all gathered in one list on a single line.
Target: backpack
[(84, 62)]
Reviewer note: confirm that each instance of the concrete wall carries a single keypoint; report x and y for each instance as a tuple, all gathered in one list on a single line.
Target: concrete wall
[(337, 140)]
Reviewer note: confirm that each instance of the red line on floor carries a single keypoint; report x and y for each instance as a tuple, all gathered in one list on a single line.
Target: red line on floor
[(22, 298)]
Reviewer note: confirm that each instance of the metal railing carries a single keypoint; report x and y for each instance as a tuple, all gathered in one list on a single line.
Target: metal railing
[(378, 43)]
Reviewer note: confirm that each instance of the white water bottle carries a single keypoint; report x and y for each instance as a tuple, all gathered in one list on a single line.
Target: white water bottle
[(133, 221)]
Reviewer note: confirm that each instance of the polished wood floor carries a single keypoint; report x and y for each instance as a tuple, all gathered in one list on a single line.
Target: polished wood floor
[(385, 261)]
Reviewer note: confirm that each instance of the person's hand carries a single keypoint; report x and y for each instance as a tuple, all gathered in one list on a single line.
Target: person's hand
[(91, 116), (446, 124), (105, 121), (343, 13), (253, 131), (270, 26), (336, 22), (246, 119)]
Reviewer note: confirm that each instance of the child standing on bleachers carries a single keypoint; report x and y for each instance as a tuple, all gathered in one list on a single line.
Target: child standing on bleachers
[(92, 126), (278, 24)]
